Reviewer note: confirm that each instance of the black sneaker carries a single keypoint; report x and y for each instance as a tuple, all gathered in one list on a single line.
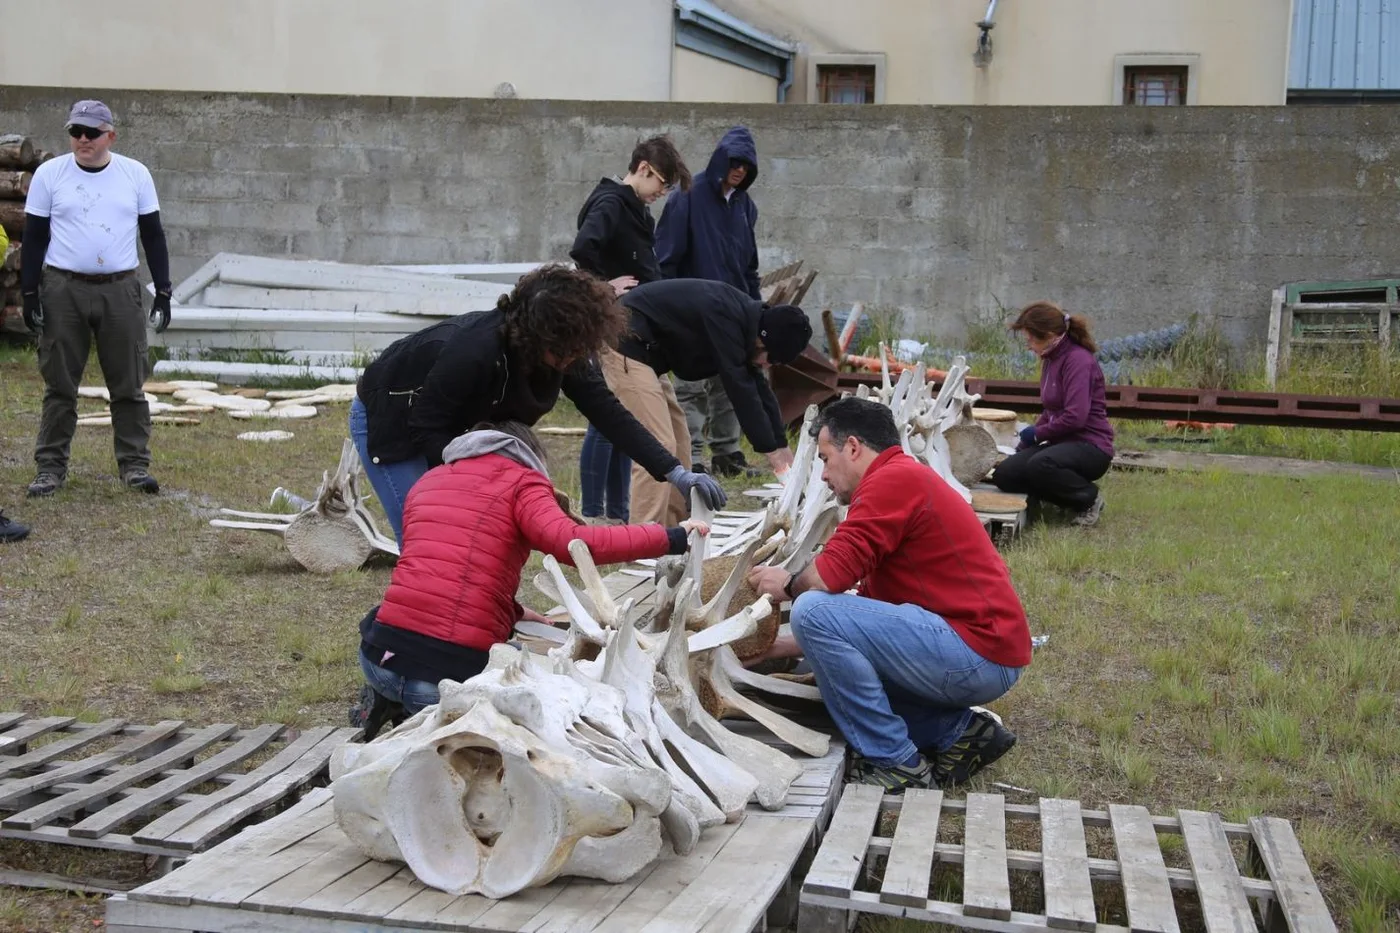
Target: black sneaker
[(895, 779), (12, 531), (138, 478), (371, 711), (982, 742), (45, 484), (733, 465)]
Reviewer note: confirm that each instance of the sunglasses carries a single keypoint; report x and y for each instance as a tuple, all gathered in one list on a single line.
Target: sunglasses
[(86, 132)]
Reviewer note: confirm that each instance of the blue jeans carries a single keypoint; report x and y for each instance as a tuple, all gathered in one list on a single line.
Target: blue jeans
[(413, 695), (896, 679), (391, 481), (605, 473)]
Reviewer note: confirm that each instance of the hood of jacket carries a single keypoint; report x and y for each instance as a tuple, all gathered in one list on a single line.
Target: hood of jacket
[(610, 189), (481, 443), (736, 144)]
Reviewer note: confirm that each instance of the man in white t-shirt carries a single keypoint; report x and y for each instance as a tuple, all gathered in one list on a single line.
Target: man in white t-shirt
[(78, 279)]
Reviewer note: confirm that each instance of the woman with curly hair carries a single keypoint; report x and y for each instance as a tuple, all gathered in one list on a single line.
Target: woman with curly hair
[(507, 364), (1071, 443)]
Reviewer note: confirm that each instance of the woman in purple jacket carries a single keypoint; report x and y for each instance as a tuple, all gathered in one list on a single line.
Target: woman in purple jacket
[(1071, 443)]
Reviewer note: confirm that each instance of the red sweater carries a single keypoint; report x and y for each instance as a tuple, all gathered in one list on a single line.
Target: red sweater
[(909, 538), (468, 529)]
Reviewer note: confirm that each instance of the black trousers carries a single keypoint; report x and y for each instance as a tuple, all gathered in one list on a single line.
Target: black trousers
[(1062, 474)]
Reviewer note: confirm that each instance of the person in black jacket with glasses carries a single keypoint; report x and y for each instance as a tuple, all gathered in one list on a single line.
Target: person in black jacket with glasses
[(617, 241), (510, 363)]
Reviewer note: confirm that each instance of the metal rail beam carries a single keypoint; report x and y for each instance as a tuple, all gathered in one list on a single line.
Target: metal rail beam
[(1351, 413)]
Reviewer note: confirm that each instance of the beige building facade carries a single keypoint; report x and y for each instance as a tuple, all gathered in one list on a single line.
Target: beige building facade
[(1041, 52)]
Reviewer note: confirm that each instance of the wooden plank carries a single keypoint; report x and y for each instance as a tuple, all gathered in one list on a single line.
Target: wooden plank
[(293, 273), (385, 896), (1146, 888), (1223, 902), (1069, 891), (986, 881), (670, 876), (732, 893), (158, 830), (438, 910), (256, 858), (14, 789), (1098, 818), (300, 299), (9, 719), (519, 909), (141, 800), (910, 866), (59, 747), (198, 833), (337, 861), (330, 901), (1299, 900), (940, 912), (838, 861), (1271, 352), (101, 789)]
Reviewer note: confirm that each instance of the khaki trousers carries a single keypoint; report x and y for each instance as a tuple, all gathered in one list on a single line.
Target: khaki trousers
[(652, 401), (76, 315)]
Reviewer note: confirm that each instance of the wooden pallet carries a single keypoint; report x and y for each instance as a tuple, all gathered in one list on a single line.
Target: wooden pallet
[(838, 886), (298, 872), (167, 790)]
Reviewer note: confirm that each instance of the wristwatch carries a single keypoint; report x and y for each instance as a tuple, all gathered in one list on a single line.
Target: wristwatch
[(787, 587)]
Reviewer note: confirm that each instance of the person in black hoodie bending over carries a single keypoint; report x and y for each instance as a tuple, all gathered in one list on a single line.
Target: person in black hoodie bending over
[(699, 329), (708, 233), (508, 364), (617, 241)]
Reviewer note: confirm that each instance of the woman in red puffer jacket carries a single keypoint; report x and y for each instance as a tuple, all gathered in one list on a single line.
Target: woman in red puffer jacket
[(468, 529)]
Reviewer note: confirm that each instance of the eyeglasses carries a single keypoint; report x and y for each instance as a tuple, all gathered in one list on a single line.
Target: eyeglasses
[(666, 186), (86, 132)]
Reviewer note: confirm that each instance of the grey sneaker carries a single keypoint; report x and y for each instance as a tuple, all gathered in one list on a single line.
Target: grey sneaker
[(1090, 516), (12, 531), (138, 478), (45, 484)]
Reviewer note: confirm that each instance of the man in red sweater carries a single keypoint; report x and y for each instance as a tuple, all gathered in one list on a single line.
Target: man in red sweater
[(934, 627)]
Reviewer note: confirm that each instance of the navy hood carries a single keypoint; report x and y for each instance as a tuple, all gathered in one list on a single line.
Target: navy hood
[(736, 144)]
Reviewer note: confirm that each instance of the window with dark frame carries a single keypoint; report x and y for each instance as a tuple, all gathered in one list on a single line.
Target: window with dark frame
[(1155, 85), (845, 84)]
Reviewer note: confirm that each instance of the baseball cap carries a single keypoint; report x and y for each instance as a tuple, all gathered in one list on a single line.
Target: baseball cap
[(785, 332), (90, 113)]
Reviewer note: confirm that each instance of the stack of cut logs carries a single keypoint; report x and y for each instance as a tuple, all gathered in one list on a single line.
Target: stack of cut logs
[(18, 160)]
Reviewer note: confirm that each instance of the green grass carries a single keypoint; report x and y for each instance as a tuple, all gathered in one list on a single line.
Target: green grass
[(1221, 641)]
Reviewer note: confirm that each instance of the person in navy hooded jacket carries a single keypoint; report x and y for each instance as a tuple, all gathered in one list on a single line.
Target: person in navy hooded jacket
[(708, 233)]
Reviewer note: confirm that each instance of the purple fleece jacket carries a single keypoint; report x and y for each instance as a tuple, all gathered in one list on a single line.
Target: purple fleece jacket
[(1072, 393)]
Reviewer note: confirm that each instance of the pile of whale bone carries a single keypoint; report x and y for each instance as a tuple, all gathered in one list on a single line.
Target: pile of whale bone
[(587, 759), (333, 531), (196, 397)]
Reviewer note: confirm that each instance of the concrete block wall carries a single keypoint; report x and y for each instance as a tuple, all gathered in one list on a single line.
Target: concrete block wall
[(1138, 218)]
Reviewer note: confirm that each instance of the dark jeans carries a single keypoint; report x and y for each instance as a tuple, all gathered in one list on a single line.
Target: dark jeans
[(1062, 474), (77, 314), (605, 473)]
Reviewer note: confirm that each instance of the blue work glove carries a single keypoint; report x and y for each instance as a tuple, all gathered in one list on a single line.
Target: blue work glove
[(1028, 436), (33, 313), (711, 492), (160, 312)]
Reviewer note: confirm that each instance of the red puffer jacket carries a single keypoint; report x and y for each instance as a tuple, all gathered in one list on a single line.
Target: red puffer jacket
[(468, 529)]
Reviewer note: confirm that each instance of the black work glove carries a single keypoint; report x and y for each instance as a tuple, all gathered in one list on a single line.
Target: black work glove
[(160, 312), (33, 313)]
